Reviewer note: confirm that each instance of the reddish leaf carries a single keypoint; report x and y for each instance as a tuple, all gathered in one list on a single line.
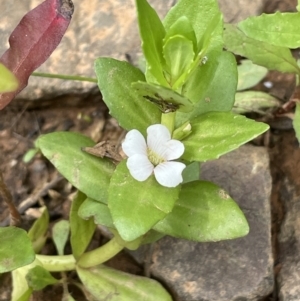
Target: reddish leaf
[(34, 39)]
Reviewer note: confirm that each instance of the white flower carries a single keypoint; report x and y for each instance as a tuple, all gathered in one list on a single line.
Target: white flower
[(154, 156)]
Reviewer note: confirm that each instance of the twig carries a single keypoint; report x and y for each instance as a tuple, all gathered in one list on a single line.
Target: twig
[(15, 217), (31, 200)]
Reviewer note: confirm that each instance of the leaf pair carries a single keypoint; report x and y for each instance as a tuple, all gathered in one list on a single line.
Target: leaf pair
[(134, 214), (173, 50), (266, 40)]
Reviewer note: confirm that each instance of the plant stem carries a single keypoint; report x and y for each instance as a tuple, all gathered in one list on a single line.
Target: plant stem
[(57, 263), (68, 77), (168, 120), (15, 217), (101, 254)]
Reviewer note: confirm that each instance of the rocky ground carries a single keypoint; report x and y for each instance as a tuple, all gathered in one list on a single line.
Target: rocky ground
[(263, 177)]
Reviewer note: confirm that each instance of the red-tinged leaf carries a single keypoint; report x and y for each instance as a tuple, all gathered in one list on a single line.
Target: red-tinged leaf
[(34, 39)]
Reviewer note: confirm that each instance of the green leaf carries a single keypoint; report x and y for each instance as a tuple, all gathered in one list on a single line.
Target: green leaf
[(204, 213), (60, 234), (30, 154), (280, 29), (25, 296), (106, 283), (183, 27), (125, 104), (212, 87), (249, 74), (201, 52), (130, 245), (21, 291), (298, 6), (137, 206), (253, 101), (99, 211), (261, 53), (200, 14), (38, 231), (82, 230), (217, 133), (38, 278), (151, 236), (8, 82), (152, 33), (179, 55), (164, 98), (11, 239), (183, 131), (87, 173), (191, 173), (209, 33), (296, 121)]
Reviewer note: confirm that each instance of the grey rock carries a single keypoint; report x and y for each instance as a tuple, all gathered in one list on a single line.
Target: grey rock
[(98, 28), (240, 269), (288, 193), (236, 11)]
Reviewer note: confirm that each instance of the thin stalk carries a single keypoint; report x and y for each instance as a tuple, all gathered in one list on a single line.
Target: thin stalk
[(15, 217), (168, 120), (57, 263), (101, 254), (67, 77)]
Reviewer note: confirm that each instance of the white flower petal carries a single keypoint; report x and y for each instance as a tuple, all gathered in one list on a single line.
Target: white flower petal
[(157, 136), (168, 174), (173, 149), (134, 143), (140, 167)]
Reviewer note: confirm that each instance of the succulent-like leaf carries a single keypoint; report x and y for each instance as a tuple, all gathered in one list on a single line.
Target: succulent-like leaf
[(38, 231), (191, 173), (200, 14), (99, 211), (33, 41), (212, 87), (204, 212), (10, 256), (259, 52), (179, 55), (60, 235), (165, 99), (183, 27), (124, 103), (106, 283), (38, 278), (280, 29), (87, 173), (82, 230), (21, 291), (253, 101), (151, 236), (137, 206), (217, 133), (249, 74), (152, 33)]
